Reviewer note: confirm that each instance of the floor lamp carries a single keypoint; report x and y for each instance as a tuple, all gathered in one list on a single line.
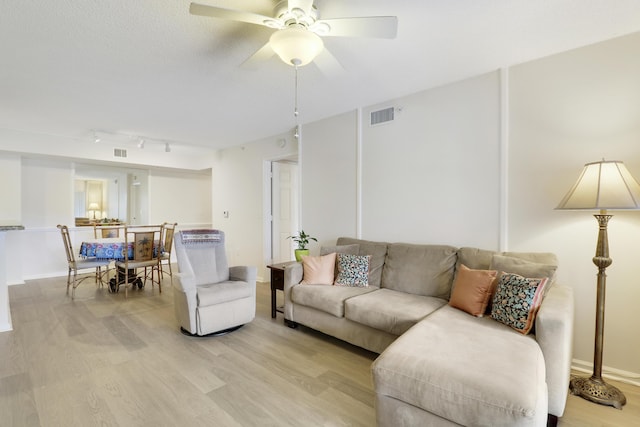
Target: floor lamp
[(601, 186)]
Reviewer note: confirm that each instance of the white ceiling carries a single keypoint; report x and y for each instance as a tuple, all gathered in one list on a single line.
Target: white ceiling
[(149, 68)]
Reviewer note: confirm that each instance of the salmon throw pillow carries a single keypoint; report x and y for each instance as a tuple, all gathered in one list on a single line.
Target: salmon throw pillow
[(472, 290), (318, 270)]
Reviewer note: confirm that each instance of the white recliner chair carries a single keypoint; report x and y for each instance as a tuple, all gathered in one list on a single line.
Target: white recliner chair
[(209, 297)]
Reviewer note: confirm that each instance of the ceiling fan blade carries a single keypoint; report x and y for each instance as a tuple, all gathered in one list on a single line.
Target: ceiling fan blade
[(263, 54), (233, 15), (328, 64), (304, 5), (383, 27)]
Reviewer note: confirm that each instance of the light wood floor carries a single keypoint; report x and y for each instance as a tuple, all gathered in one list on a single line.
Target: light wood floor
[(103, 360)]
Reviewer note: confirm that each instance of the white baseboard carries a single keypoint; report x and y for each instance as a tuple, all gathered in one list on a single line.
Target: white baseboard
[(607, 372), (20, 282)]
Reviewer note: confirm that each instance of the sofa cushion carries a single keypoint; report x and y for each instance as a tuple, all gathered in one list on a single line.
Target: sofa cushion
[(378, 252), (340, 249), (481, 258), (478, 259), (353, 270), (318, 270), (390, 311), (510, 264), (329, 299), (539, 257), (472, 289), (419, 269), (470, 370)]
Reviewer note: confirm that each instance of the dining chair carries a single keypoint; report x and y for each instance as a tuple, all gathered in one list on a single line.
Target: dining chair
[(79, 264), (105, 231), (145, 243), (168, 230)]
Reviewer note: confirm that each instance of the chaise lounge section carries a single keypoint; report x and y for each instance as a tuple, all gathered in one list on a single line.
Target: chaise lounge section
[(438, 364)]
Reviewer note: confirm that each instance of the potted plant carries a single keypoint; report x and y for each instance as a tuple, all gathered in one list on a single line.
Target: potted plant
[(302, 239)]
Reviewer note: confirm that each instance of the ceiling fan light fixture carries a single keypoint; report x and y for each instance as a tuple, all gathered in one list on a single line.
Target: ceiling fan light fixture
[(296, 45)]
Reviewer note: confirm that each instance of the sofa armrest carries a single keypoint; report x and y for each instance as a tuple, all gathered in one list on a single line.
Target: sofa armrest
[(292, 276), (243, 273), (554, 333)]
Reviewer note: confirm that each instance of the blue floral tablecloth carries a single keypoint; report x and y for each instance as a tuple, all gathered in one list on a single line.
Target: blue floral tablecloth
[(105, 249)]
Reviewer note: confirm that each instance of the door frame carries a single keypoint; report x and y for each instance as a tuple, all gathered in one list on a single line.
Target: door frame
[(268, 202)]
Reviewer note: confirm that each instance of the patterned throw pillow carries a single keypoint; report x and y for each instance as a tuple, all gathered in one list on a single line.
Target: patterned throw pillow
[(517, 300), (353, 270)]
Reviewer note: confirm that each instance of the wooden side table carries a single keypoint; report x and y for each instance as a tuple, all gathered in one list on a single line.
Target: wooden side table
[(277, 283)]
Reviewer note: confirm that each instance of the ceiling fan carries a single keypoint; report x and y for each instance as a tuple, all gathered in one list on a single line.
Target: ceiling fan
[(298, 28)]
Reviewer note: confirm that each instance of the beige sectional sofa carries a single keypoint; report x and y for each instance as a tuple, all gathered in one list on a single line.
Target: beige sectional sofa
[(439, 365)]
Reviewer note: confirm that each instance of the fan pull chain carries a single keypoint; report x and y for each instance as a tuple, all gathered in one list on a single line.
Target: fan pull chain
[(295, 107), (295, 111)]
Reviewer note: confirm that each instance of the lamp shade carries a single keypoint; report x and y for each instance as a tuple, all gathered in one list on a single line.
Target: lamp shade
[(93, 206), (603, 185), (296, 45)]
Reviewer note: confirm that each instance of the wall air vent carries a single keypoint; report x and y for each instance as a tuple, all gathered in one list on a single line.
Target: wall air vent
[(382, 116), (119, 152)]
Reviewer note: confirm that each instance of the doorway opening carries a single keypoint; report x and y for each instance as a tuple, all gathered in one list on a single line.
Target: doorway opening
[(284, 209)]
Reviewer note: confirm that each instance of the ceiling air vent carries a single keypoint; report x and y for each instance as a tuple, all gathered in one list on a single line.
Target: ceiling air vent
[(382, 116), (119, 152)]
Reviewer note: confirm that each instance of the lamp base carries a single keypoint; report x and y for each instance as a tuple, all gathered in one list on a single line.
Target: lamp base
[(598, 391)]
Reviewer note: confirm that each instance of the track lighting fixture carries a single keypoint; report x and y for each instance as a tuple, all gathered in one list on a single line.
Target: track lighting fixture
[(129, 140)]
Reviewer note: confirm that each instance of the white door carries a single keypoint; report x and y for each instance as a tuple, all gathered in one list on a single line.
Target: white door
[(284, 209)]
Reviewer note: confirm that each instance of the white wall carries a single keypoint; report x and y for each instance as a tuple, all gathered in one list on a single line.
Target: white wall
[(10, 177), (238, 185), (183, 195), (329, 175), (567, 110), (432, 174), (47, 200)]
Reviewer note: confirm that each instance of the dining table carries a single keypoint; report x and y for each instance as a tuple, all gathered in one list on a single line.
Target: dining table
[(112, 248)]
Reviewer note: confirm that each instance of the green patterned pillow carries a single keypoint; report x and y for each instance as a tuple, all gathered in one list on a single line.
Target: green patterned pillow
[(517, 300), (353, 270)]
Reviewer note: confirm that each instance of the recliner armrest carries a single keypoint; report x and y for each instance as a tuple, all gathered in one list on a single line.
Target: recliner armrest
[(554, 334), (185, 282)]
